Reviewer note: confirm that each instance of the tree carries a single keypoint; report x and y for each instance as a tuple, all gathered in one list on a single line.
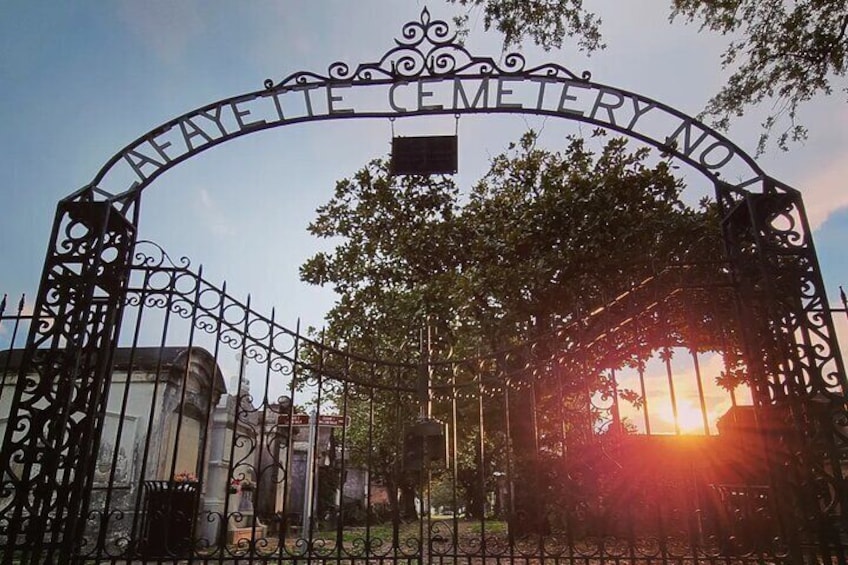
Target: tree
[(544, 238), (784, 52), (546, 22)]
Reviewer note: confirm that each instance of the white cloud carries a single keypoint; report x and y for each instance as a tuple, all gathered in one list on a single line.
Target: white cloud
[(212, 216), (166, 28), (826, 191)]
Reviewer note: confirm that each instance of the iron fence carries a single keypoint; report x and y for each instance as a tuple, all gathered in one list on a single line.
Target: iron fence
[(227, 436)]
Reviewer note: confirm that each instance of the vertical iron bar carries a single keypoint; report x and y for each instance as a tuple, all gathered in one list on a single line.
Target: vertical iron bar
[(184, 383), (481, 445), (724, 358), (702, 403), (313, 496), (616, 412), (510, 479), (397, 468), (343, 467), (290, 439), (119, 434), (693, 350), (425, 375), (237, 409), (12, 339), (169, 297), (265, 447), (644, 392), (666, 356), (370, 466), (454, 464), (221, 540)]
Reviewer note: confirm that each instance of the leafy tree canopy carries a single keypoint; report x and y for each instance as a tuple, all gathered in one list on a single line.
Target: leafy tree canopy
[(779, 51), (543, 238)]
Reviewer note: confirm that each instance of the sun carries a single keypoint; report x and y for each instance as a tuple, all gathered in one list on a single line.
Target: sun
[(690, 419)]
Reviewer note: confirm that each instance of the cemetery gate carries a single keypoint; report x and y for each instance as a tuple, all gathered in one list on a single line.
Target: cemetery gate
[(125, 440)]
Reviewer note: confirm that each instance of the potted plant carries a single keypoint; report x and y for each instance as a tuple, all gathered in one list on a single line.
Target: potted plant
[(169, 512), (185, 477)]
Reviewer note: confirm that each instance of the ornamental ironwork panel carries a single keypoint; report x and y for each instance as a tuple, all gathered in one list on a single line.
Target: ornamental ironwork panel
[(63, 381)]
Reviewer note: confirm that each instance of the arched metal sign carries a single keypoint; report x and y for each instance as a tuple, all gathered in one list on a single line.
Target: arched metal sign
[(427, 73), (49, 448)]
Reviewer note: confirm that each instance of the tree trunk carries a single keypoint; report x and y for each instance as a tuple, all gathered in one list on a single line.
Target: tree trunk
[(407, 501)]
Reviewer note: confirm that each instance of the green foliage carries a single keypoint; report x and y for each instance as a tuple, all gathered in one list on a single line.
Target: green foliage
[(546, 22), (391, 265), (543, 239), (786, 53)]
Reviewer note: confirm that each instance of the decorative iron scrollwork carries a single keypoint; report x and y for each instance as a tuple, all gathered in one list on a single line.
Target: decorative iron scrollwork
[(426, 48)]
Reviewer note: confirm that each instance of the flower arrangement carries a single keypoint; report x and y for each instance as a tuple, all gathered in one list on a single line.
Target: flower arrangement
[(243, 485), (185, 477)]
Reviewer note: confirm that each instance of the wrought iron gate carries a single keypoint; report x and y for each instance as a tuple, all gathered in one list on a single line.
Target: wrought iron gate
[(541, 459), (131, 436)]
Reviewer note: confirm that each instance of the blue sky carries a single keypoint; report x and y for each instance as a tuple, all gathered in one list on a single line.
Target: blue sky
[(82, 79)]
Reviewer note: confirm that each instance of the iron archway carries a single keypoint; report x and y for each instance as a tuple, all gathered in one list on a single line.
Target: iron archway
[(56, 419)]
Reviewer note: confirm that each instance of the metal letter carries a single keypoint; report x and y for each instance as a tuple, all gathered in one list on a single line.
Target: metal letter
[(565, 97), (307, 98), (599, 103), (239, 113), (392, 102), (195, 131), (482, 92), (216, 118), (331, 99), (638, 112), (688, 146), (703, 158), (543, 83), (503, 91), (160, 148), (278, 105), (142, 160), (422, 94)]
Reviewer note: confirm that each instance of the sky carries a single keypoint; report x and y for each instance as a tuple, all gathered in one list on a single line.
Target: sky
[(80, 80)]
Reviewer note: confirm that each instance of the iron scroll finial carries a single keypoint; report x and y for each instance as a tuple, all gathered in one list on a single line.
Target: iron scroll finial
[(426, 47)]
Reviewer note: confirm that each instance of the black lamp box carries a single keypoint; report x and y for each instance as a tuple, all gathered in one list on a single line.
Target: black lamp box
[(425, 443), (424, 155)]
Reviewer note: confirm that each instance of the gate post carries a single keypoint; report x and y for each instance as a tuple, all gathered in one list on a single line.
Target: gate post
[(795, 367), (56, 416)]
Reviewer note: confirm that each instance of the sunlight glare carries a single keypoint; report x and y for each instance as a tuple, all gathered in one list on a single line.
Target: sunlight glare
[(689, 417)]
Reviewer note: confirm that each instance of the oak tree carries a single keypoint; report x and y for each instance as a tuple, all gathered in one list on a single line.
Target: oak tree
[(544, 238), (778, 52)]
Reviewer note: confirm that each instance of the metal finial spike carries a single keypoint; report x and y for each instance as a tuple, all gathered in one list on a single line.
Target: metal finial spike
[(425, 16), (22, 303), (3, 305), (843, 297)]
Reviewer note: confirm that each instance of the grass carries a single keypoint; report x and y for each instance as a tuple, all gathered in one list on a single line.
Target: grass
[(406, 531)]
